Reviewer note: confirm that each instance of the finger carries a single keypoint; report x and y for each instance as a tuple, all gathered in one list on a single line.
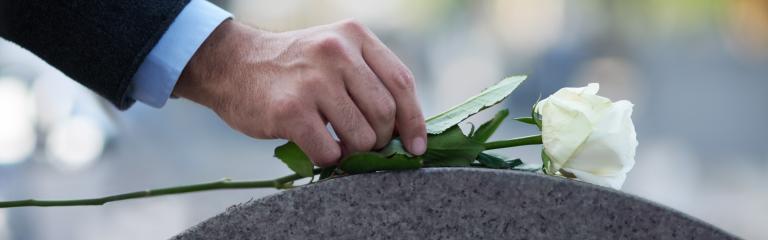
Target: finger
[(315, 140), (373, 100), (399, 81), (348, 122)]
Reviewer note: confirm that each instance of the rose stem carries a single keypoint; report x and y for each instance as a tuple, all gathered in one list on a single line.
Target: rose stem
[(529, 140), (277, 183)]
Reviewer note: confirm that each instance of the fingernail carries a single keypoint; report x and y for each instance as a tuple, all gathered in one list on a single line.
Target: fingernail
[(418, 146)]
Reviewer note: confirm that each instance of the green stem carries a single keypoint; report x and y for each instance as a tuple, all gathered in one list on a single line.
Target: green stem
[(278, 183), (529, 140)]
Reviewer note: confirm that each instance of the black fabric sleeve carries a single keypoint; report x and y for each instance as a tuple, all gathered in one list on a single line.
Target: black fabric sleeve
[(99, 43)]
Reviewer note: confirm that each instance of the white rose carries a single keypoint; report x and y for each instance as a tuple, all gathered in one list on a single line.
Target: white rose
[(588, 135)]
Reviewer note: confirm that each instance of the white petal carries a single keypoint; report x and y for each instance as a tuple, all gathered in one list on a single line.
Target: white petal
[(567, 120), (590, 89), (563, 131), (612, 181), (610, 148), (582, 100)]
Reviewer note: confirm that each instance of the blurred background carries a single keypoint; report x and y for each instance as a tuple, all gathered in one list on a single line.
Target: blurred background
[(696, 71)]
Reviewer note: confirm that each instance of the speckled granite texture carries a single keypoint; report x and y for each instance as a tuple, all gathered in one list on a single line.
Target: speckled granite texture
[(455, 203)]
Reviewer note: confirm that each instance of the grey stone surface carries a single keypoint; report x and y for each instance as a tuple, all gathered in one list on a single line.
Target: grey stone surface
[(455, 203)]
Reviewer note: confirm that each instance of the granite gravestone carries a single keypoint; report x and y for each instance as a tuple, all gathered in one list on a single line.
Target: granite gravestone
[(451, 203)]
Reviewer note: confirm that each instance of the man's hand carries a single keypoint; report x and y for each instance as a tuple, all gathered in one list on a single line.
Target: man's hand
[(290, 85)]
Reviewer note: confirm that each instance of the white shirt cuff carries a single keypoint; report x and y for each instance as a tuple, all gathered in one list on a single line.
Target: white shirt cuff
[(156, 77)]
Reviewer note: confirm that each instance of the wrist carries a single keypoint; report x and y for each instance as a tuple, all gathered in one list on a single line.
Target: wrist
[(204, 78)]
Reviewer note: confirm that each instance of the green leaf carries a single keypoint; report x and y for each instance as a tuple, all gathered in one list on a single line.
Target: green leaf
[(514, 163), (451, 149), (488, 97), (495, 161), (492, 161), (485, 131), (291, 155), (395, 146), (528, 120), (364, 162), (327, 172)]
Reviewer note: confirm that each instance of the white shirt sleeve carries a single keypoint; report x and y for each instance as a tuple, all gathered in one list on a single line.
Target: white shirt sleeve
[(156, 77)]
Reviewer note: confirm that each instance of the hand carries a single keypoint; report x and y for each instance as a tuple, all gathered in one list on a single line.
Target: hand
[(290, 85)]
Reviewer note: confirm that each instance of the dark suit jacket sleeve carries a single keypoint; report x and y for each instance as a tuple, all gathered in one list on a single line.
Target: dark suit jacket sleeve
[(99, 43)]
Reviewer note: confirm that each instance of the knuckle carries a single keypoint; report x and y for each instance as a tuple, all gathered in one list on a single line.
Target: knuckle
[(330, 41), (403, 79), (386, 110), (353, 26), (331, 45)]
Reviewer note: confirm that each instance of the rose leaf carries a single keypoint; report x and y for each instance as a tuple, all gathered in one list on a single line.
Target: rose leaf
[(488, 97), (364, 162), (451, 148), (291, 155), (485, 131)]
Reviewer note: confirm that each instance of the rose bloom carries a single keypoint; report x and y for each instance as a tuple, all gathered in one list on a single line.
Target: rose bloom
[(588, 136)]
